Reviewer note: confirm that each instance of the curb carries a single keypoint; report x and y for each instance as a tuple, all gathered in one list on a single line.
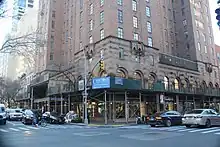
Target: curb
[(103, 126)]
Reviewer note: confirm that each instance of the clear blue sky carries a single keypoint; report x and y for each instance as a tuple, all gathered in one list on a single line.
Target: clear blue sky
[(5, 24)]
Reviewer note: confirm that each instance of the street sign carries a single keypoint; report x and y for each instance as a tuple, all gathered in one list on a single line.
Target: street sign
[(100, 83), (81, 85)]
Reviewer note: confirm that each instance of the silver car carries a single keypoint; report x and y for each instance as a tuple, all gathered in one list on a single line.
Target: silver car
[(201, 117)]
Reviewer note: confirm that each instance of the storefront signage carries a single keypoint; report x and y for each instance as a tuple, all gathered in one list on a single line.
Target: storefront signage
[(118, 81), (100, 83)]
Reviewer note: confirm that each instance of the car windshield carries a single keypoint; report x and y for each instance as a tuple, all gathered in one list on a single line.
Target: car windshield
[(2, 109), (29, 112), (195, 112)]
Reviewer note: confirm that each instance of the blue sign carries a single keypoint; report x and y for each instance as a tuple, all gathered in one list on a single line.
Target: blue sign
[(22, 3), (100, 83), (118, 81)]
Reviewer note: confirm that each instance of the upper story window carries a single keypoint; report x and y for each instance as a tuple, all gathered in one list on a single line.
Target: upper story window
[(91, 9), (150, 41), (91, 25), (135, 36), (120, 33), (90, 39), (120, 16), (135, 21), (205, 48), (199, 46), (102, 17), (148, 14), (102, 34), (101, 2), (149, 27), (134, 5), (121, 53), (119, 2)]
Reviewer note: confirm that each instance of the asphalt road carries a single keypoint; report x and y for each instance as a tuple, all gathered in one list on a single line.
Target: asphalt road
[(16, 134)]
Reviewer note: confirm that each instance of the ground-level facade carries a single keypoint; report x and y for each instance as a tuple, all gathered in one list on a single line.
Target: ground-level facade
[(149, 81)]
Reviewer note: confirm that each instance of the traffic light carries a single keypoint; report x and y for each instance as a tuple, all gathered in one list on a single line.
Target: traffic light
[(217, 11), (102, 65)]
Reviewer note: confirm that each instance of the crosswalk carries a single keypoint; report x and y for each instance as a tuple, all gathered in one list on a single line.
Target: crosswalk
[(24, 128), (179, 129)]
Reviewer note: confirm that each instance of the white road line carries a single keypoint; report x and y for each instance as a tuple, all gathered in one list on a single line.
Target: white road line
[(13, 129), (200, 130), (184, 130), (11, 123), (2, 130), (211, 131), (32, 127), (25, 129), (217, 133), (175, 129)]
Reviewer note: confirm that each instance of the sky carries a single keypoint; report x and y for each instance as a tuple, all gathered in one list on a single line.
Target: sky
[(5, 24)]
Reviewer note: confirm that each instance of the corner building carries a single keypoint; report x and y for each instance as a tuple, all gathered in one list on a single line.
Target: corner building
[(142, 44)]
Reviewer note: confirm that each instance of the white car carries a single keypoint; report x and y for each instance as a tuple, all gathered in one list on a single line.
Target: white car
[(2, 114), (15, 114), (201, 117)]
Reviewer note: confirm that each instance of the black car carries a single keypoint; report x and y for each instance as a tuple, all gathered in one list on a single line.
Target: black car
[(27, 117), (167, 118), (54, 118)]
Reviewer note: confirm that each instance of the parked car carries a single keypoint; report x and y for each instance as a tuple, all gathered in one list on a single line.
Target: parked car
[(2, 114), (27, 117), (167, 118), (14, 114), (201, 117), (54, 118)]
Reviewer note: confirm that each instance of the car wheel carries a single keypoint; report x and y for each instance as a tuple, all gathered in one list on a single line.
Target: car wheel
[(152, 125), (188, 126), (208, 123), (168, 123)]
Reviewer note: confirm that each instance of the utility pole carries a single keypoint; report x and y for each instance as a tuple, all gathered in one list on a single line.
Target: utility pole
[(85, 89)]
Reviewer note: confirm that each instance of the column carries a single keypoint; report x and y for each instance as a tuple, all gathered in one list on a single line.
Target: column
[(126, 108), (69, 103), (113, 105), (106, 118), (55, 107), (142, 106), (177, 103), (61, 104), (48, 105), (110, 106), (32, 97), (158, 102)]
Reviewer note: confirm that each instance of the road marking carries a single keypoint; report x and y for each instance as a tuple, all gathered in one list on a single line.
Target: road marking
[(32, 127), (175, 129), (184, 130), (11, 123), (2, 130), (211, 131), (217, 133), (25, 129), (200, 130), (13, 129)]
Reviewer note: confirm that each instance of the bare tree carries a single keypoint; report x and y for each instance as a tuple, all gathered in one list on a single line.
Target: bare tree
[(26, 45), (9, 90)]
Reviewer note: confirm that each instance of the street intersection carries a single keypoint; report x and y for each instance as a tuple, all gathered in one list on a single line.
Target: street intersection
[(19, 135)]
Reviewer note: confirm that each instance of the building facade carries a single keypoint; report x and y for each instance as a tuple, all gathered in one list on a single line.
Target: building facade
[(149, 45)]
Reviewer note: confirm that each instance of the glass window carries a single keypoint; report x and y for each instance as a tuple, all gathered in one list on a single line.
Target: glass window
[(101, 2), (135, 22), (197, 34), (90, 39), (90, 25), (148, 11), (102, 34), (120, 16), (29, 112), (134, 5), (119, 2), (150, 41), (102, 17), (204, 38), (2, 109), (91, 8), (121, 53), (120, 33), (149, 27), (135, 36), (195, 112)]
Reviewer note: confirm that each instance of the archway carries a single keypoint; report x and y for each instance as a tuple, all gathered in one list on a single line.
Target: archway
[(151, 80), (216, 85), (122, 72), (210, 85), (176, 84)]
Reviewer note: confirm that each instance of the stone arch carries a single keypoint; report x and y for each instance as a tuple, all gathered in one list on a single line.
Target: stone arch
[(216, 85), (79, 78), (122, 72), (203, 85), (151, 80), (138, 75), (102, 73), (187, 84), (166, 82), (210, 85)]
